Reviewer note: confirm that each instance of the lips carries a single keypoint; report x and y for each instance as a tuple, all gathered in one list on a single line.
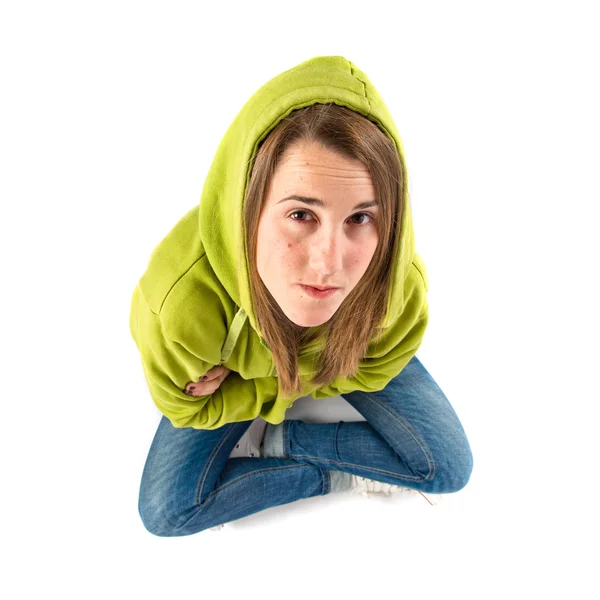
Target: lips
[(318, 294), (321, 289)]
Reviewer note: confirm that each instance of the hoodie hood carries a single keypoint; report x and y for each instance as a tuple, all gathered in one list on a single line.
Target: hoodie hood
[(323, 79)]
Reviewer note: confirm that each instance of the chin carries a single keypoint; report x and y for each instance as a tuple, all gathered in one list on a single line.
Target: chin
[(308, 320), (309, 323)]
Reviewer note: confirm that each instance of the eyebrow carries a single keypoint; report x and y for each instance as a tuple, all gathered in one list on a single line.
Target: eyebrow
[(318, 202)]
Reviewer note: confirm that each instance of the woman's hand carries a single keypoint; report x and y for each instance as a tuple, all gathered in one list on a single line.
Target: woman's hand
[(214, 378)]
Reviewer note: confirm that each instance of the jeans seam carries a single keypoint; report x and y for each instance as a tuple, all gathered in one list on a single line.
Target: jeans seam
[(362, 467), (335, 441), (252, 474), (208, 464), (222, 488), (325, 476), (404, 423)]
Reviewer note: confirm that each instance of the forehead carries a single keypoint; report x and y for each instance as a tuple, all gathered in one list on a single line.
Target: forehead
[(303, 170), (314, 157)]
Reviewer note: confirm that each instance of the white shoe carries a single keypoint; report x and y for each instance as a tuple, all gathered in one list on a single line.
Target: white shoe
[(368, 487), (249, 444)]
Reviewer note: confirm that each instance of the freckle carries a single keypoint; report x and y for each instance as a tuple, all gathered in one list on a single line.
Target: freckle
[(289, 245)]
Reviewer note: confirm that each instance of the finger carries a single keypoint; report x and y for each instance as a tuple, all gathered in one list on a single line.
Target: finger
[(211, 374), (214, 377), (190, 387), (202, 389), (198, 387), (216, 372)]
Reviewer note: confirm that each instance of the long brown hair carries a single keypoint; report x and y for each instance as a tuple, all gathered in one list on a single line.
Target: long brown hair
[(357, 321)]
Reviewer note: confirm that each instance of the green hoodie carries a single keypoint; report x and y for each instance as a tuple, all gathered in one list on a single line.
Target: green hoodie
[(191, 310)]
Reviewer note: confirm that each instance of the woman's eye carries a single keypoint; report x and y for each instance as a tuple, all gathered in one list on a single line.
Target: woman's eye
[(363, 214), (371, 217), (299, 212)]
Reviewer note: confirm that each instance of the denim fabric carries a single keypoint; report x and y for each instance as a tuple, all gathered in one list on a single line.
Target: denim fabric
[(412, 437)]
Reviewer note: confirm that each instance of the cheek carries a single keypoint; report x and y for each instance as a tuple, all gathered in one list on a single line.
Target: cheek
[(361, 259), (360, 263), (289, 255), (281, 253)]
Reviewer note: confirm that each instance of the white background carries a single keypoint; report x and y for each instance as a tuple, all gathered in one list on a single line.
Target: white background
[(111, 113)]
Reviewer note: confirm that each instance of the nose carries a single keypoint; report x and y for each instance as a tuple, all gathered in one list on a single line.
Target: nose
[(326, 253)]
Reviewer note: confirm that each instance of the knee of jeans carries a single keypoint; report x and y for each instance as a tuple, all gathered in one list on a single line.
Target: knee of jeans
[(153, 515), (453, 469)]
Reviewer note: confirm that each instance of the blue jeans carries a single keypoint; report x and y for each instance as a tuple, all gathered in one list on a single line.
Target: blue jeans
[(412, 437)]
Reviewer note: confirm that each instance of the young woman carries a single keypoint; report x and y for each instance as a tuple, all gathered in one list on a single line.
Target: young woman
[(308, 188)]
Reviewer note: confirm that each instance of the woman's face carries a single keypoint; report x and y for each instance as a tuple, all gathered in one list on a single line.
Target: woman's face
[(328, 245)]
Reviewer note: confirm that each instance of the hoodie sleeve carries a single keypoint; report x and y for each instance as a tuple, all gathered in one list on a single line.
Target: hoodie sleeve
[(394, 351), (169, 365)]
